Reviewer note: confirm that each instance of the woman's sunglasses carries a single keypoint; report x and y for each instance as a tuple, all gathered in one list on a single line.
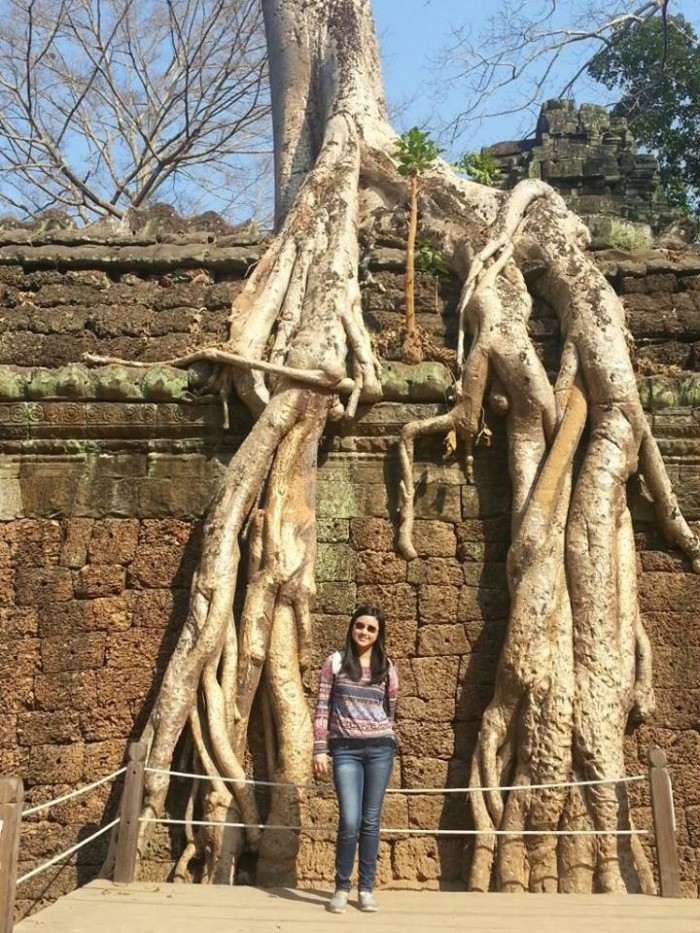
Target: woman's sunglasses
[(363, 627)]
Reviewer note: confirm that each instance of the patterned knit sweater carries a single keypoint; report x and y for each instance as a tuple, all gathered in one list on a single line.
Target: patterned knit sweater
[(351, 713)]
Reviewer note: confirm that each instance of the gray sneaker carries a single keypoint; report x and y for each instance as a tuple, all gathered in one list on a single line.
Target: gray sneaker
[(368, 902), (338, 903)]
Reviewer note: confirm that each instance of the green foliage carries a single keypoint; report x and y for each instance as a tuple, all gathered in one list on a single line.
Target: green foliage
[(428, 259), (415, 152), (480, 166), (625, 236), (657, 71)]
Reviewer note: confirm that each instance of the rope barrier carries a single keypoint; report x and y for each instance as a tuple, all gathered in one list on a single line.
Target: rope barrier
[(408, 832), (627, 779), (73, 793), (58, 858)]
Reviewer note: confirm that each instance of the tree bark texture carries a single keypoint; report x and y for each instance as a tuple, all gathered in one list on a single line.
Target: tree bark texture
[(575, 663)]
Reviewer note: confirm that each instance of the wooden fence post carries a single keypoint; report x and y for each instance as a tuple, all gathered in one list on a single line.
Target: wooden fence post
[(664, 824), (129, 813), (11, 800)]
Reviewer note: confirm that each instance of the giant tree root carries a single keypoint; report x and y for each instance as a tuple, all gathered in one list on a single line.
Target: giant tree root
[(575, 661)]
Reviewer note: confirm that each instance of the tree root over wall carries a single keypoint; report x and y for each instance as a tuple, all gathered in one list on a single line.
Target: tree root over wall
[(575, 663)]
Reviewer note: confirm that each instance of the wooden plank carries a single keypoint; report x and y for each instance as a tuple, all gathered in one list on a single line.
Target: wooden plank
[(174, 908), (664, 824), (130, 811), (11, 799)]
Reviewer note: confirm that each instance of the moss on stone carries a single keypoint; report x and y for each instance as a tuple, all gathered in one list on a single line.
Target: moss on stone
[(117, 383), (42, 384), (13, 384), (74, 381), (164, 384)]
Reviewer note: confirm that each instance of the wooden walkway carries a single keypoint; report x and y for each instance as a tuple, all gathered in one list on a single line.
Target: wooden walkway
[(104, 907)]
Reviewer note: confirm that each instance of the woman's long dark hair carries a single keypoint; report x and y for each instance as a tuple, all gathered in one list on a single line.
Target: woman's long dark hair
[(379, 662)]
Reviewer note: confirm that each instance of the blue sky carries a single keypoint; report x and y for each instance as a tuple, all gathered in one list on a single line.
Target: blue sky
[(412, 34)]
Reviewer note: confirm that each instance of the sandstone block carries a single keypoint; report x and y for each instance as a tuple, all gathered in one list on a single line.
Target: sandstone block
[(678, 708), (92, 807), (427, 739), (123, 684), (114, 541), (435, 811), (659, 591), (8, 730), (692, 815), (108, 614), (166, 555), (76, 540), (53, 764), (7, 588), (407, 680), (36, 586), (316, 859), (156, 609), (480, 553), (435, 677), (675, 629), (375, 500), (379, 567), (333, 530), (18, 659), (490, 575), (335, 562), (48, 728), (328, 634), (416, 858), (395, 812), (72, 652), (442, 640), (434, 539), (19, 623), (425, 772), (336, 499), (132, 648), (336, 598), (478, 668), (472, 701), (373, 534), (66, 690), (35, 543), (397, 600), (482, 531), (439, 709), (62, 618), (437, 604), (437, 500), (104, 723), (466, 734), (401, 638), (486, 637), (99, 580), (485, 501), (102, 757), (442, 571), (482, 603)]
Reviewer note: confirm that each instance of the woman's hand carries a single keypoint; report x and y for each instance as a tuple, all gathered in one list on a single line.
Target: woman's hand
[(322, 767)]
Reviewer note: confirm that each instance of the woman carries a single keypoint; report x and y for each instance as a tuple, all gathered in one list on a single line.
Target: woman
[(353, 725)]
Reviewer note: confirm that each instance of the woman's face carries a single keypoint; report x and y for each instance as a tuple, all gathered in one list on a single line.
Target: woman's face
[(365, 631)]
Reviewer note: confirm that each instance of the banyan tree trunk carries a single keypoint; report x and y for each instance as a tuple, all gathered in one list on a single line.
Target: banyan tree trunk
[(575, 660)]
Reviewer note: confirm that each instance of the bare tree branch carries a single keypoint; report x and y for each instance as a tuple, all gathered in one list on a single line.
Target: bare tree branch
[(517, 60), (104, 101)]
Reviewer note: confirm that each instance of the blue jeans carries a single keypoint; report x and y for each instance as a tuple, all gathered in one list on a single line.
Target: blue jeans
[(361, 776)]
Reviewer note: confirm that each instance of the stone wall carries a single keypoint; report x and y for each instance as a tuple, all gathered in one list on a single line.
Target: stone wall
[(105, 476), (590, 157)]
